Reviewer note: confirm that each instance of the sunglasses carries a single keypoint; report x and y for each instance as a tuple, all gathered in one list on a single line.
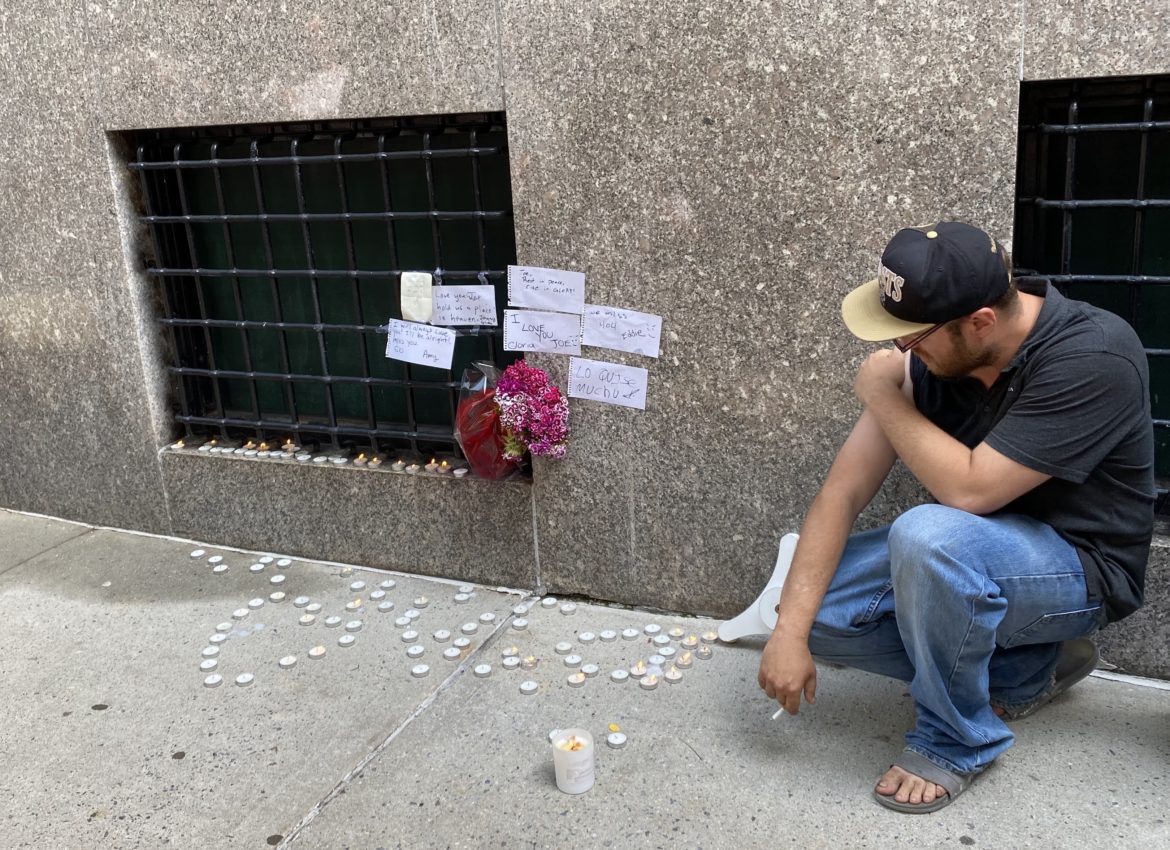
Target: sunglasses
[(906, 346)]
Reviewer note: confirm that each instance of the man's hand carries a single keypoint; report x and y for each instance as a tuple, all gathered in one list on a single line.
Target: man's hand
[(787, 670), (882, 372)]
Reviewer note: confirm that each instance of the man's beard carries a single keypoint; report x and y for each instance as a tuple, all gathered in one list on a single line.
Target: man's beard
[(961, 361)]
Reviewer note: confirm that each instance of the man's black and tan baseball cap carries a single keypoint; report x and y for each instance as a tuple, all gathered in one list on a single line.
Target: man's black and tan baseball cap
[(926, 276)]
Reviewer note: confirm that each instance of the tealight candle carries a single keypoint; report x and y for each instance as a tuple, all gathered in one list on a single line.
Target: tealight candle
[(264, 453), (386, 607), (590, 670), (353, 626), (586, 637), (332, 622), (460, 472), (608, 635), (530, 663), (672, 675), (213, 681), (313, 607), (267, 559), (619, 676), (462, 598), (616, 740), (284, 562), (409, 636), (353, 605), (255, 603), (361, 459), (304, 456), (469, 628), (346, 640), (375, 462), (703, 653), (649, 681), (413, 468), (276, 597), (402, 622), (487, 617), (307, 620), (376, 595), (511, 662), (245, 679), (412, 613), (519, 624), (217, 638), (655, 660), (256, 568), (208, 664), (661, 640), (288, 662), (509, 651), (387, 584), (178, 445), (451, 653), (215, 559), (482, 671), (251, 452), (710, 636), (442, 635), (676, 632), (197, 553), (415, 651), (529, 687), (419, 670), (690, 641), (563, 647), (667, 652), (240, 613), (276, 579), (572, 660), (317, 653), (652, 629), (421, 602), (520, 610), (224, 627), (219, 569), (548, 602), (398, 465), (576, 680), (339, 461), (685, 659), (320, 459), (461, 642), (569, 608), (630, 634), (638, 669), (358, 586)]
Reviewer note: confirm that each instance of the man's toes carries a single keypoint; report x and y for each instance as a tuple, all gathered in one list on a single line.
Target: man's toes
[(889, 783)]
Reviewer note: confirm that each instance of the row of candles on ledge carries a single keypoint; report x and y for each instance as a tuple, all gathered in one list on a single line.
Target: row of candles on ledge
[(290, 450)]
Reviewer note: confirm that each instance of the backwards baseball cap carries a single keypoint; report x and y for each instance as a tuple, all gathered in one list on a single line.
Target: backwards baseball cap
[(927, 275)]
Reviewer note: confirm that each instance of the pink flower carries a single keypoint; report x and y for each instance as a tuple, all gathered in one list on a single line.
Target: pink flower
[(533, 413)]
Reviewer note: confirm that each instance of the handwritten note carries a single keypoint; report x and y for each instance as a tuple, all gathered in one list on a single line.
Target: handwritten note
[(546, 289), (534, 330), (416, 296), (611, 383), (423, 345), (464, 305), (622, 330)]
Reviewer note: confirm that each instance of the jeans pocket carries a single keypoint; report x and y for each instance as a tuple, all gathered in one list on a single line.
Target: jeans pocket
[(1054, 628)]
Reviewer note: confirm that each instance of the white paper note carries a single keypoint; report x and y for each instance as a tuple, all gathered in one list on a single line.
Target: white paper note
[(423, 345), (546, 289), (611, 383), (416, 296), (464, 305), (534, 330), (622, 330)]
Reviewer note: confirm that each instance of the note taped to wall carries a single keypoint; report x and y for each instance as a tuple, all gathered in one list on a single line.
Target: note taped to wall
[(415, 301), (546, 289), (622, 330), (423, 345), (610, 383), (535, 330), (464, 305)]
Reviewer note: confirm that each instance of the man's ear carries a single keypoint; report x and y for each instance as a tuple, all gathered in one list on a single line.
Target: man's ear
[(983, 321)]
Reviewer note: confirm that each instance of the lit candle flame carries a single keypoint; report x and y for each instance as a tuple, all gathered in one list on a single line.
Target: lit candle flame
[(263, 447), (249, 445), (572, 744), (179, 444), (361, 456)]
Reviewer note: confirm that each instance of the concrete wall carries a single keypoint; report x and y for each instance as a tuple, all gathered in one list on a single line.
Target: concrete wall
[(734, 167)]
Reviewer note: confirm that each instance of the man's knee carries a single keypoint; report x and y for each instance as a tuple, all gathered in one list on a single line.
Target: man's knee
[(923, 533)]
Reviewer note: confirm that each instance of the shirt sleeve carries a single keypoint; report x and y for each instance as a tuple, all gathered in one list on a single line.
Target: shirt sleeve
[(1071, 414)]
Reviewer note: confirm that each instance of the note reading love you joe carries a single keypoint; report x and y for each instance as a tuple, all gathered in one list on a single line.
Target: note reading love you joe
[(423, 345), (611, 383), (536, 330), (464, 305)]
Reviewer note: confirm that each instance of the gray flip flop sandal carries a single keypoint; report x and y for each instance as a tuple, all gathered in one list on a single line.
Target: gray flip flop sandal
[(911, 762), (1078, 658)]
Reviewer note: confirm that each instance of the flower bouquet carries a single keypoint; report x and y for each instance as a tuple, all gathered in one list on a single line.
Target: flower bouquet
[(503, 418)]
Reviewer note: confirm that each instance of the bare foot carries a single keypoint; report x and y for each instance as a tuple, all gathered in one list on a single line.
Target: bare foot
[(908, 788)]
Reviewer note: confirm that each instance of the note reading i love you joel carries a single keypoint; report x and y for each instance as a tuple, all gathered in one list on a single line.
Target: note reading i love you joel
[(546, 289), (464, 305), (535, 330), (622, 330), (611, 383), (423, 345)]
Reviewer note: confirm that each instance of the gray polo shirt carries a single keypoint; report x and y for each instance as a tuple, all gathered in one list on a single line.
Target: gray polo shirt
[(1073, 403)]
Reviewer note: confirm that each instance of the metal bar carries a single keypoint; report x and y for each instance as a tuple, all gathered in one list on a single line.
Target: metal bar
[(319, 379), (1143, 280), (1139, 213), (355, 287), (481, 242), (1070, 156), (437, 241), (198, 284), (433, 215), (266, 241), (316, 159), (332, 414), (1100, 203), (387, 200), (470, 274), (306, 326), (231, 257), (1072, 129)]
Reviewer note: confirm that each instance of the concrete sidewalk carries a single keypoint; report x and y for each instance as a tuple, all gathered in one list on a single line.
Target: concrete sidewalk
[(112, 740)]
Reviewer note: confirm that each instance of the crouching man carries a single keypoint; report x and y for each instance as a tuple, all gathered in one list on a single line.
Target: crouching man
[(1026, 416)]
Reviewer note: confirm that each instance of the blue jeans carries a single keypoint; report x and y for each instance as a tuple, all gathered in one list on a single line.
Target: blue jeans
[(969, 609)]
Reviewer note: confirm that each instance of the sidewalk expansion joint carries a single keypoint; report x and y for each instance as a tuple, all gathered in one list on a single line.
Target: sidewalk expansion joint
[(33, 557)]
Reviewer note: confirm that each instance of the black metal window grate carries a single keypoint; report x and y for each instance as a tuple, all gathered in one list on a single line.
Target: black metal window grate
[(278, 252), (1093, 212)]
